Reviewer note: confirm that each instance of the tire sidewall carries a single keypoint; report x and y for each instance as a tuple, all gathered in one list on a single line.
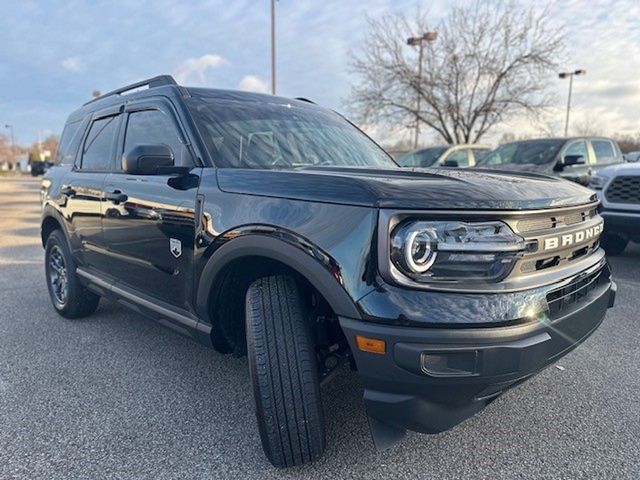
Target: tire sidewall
[(57, 239)]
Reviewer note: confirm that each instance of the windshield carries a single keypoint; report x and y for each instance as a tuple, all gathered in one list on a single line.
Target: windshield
[(536, 152), (274, 136), (421, 158)]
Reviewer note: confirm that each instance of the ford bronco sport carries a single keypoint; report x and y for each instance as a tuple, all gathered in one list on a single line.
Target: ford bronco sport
[(273, 228)]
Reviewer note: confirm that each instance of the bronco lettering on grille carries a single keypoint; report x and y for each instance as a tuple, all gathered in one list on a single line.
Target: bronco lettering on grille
[(569, 239)]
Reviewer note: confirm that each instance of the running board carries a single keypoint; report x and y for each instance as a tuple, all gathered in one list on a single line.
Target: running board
[(180, 321)]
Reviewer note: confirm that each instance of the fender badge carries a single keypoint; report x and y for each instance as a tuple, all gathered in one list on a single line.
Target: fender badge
[(175, 246)]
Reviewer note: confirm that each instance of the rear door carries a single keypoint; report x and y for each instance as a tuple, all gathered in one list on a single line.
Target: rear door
[(83, 188), (149, 220)]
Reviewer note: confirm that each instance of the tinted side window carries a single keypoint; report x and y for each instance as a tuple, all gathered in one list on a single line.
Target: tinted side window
[(97, 150), (576, 149), (459, 156), (152, 127), (68, 144), (604, 151)]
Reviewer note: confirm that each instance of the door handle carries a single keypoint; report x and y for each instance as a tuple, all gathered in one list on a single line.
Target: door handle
[(116, 196), (67, 191)]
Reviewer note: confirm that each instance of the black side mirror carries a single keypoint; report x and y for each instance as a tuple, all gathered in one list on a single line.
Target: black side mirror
[(574, 160), (148, 159), (450, 163)]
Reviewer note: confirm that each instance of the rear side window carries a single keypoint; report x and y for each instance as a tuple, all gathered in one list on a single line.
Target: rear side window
[(68, 144), (152, 127), (604, 151), (98, 146)]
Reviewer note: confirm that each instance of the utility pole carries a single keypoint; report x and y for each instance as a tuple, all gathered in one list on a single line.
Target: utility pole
[(420, 41), (13, 144), (273, 47), (569, 75)]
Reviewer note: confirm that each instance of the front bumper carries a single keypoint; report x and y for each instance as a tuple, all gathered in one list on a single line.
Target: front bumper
[(430, 379), (621, 221)]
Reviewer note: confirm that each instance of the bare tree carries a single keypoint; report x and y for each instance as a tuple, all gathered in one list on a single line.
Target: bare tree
[(6, 154), (491, 61)]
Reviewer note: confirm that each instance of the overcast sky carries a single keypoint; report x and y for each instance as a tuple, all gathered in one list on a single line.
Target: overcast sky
[(53, 57)]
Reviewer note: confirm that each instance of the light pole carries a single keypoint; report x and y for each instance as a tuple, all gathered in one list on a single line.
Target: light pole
[(13, 143), (570, 75), (273, 47), (419, 42)]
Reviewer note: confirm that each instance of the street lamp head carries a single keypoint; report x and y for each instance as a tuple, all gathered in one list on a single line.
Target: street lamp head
[(563, 75), (425, 37), (430, 36), (580, 72)]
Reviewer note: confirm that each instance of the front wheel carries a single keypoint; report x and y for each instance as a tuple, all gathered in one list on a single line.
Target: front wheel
[(282, 366), (68, 296)]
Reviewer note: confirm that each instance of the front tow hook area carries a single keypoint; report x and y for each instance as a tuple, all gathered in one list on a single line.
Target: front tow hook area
[(412, 410), (384, 436)]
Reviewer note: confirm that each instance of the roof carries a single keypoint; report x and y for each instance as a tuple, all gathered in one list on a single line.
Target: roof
[(167, 86)]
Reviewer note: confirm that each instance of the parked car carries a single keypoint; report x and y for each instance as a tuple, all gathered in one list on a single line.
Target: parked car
[(273, 228), (448, 156), (632, 156), (575, 159), (618, 188)]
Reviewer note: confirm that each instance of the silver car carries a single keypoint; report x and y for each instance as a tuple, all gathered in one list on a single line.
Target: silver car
[(445, 156)]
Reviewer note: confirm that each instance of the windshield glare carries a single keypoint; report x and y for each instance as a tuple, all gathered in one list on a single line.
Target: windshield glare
[(524, 153), (272, 136), (421, 158)]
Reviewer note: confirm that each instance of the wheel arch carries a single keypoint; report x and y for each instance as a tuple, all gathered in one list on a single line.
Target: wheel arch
[(51, 220), (313, 265)]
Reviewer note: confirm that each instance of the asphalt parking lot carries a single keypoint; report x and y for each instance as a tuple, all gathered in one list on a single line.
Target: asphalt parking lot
[(118, 396)]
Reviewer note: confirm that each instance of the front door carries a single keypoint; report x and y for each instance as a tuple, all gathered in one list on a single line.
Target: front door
[(149, 220), (579, 172)]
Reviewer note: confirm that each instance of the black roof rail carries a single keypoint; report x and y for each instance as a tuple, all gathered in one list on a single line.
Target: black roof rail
[(302, 99), (158, 81)]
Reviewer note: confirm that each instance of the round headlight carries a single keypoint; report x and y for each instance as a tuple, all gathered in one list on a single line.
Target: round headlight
[(419, 252)]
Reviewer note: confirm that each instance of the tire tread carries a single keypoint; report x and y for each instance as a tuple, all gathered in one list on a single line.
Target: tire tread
[(284, 374)]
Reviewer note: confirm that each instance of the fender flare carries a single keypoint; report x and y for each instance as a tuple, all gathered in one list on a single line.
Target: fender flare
[(312, 269), (49, 211)]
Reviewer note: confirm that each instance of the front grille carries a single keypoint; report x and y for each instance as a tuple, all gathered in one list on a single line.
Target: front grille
[(556, 239), (624, 189), (548, 222), (575, 293)]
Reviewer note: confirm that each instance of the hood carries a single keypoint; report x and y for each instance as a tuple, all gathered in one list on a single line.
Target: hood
[(426, 189), (620, 169), (545, 168)]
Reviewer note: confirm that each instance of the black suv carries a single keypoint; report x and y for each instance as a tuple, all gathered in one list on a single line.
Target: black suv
[(274, 228)]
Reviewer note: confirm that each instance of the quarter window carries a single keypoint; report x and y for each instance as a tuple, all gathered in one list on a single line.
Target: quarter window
[(68, 144), (96, 153), (153, 127)]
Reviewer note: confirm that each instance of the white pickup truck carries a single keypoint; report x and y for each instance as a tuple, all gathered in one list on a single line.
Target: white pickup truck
[(618, 188)]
